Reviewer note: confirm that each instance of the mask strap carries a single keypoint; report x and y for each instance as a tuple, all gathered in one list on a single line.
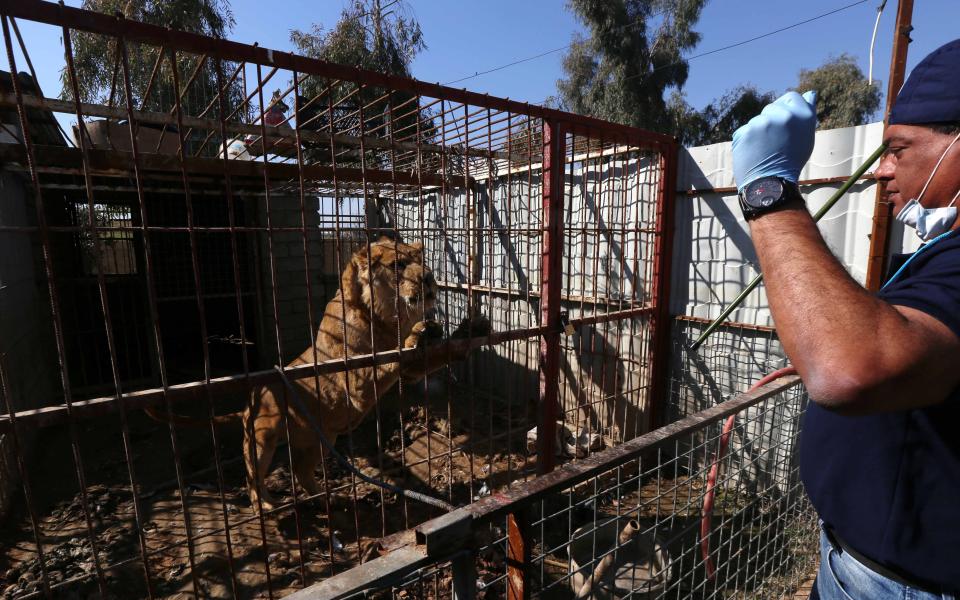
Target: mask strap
[(955, 196), (934, 172)]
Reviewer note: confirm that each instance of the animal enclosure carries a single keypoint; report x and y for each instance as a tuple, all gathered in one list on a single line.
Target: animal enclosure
[(228, 228)]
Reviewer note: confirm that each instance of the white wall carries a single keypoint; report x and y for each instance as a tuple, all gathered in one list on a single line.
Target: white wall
[(713, 255)]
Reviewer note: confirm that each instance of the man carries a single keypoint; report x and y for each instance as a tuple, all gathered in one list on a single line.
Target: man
[(880, 451)]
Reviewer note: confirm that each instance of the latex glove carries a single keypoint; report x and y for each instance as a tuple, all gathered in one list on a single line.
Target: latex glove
[(778, 141)]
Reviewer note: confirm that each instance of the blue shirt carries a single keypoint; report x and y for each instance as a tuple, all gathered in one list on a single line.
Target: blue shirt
[(889, 484)]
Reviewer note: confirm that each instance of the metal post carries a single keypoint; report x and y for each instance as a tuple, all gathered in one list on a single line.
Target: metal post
[(662, 263), (883, 210), (518, 556), (551, 282), (464, 569)]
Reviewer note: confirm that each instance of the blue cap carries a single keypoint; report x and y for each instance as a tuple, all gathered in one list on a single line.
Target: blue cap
[(932, 92)]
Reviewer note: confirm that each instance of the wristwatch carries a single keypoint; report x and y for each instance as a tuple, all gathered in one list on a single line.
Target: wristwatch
[(765, 194)]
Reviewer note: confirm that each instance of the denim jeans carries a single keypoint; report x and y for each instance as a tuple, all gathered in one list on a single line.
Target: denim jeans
[(842, 577)]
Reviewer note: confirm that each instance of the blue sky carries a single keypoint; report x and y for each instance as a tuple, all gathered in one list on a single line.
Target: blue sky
[(467, 37)]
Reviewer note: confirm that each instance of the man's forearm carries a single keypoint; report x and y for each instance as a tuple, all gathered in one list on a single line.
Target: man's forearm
[(831, 328)]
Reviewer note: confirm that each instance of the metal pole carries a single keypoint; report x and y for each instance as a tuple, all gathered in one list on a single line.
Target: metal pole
[(464, 582), (551, 283), (816, 217), (662, 263), (883, 210)]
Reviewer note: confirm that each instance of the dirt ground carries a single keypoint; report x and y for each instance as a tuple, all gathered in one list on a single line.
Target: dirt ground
[(305, 543), (457, 459)]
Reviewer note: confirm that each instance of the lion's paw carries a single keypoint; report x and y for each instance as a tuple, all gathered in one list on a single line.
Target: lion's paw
[(424, 333), (478, 326)]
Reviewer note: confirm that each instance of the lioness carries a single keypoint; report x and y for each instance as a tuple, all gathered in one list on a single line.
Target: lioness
[(383, 291)]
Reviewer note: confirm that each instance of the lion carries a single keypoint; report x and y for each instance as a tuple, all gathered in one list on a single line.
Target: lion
[(385, 295)]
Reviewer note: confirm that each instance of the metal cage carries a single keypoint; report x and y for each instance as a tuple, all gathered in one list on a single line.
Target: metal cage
[(185, 237)]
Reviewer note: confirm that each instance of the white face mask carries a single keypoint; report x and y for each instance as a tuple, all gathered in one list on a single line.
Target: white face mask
[(930, 222)]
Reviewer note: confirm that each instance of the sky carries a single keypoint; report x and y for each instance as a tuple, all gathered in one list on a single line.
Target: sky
[(464, 38)]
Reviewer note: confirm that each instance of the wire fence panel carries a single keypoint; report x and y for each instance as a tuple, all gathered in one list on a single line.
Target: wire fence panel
[(762, 537), (661, 516)]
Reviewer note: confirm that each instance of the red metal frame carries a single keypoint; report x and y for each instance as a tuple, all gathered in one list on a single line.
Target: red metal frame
[(551, 283), (662, 266)]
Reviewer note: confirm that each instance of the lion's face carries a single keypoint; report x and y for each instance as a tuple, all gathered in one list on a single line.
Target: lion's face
[(393, 280)]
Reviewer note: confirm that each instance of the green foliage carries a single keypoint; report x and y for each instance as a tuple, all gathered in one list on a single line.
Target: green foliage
[(368, 35), (633, 58), (844, 97), (371, 35), (99, 69), (717, 122), (633, 55)]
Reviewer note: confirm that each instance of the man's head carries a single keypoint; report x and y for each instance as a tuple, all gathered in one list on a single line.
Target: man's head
[(924, 122), (913, 152)]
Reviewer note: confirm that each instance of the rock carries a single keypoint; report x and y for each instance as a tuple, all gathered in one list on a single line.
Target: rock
[(174, 572)]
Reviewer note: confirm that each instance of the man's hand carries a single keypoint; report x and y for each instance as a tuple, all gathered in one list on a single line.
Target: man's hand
[(778, 141)]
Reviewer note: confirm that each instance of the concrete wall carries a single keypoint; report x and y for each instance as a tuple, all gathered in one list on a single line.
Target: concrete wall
[(26, 337), (291, 286)]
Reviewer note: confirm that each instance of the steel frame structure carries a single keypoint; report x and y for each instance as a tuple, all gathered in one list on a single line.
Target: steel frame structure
[(381, 138)]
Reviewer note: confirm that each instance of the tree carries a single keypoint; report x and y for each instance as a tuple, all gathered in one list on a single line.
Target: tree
[(99, 69), (844, 97), (370, 35), (633, 56), (719, 119)]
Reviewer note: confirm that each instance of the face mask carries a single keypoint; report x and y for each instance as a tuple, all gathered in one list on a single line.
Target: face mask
[(930, 222)]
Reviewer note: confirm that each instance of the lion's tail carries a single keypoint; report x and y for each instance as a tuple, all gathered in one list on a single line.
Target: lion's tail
[(159, 414)]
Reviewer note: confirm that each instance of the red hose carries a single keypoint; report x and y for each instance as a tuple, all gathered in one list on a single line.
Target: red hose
[(711, 492)]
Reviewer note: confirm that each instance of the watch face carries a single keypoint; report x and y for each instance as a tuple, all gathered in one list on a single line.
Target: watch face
[(763, 192)]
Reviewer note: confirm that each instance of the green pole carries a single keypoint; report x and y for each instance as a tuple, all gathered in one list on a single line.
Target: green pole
[(816, 217)]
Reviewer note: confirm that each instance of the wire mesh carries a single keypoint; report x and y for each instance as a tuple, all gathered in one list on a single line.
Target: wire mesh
[(364, 232), (217, 209), (762, 538)]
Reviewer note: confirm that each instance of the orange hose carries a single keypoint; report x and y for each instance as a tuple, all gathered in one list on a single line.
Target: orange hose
[(710, 494)]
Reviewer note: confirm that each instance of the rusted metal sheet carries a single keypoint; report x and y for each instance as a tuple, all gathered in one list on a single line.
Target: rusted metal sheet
[(518, 555), (272, 132)]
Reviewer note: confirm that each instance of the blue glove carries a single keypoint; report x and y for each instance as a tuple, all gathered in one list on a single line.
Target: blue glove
[(778, 141)]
